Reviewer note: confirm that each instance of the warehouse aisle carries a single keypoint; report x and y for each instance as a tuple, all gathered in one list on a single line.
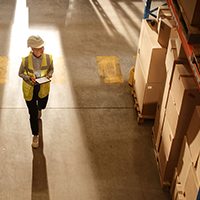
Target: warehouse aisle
[(91, 147)]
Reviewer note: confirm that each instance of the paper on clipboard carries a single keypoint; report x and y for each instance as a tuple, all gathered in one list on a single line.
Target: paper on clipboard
[(42, 80)]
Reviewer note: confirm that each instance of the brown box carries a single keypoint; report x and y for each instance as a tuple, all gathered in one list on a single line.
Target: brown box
[(139, 81), (184, 162), (171, 55), (151, 96), (166, 30), (169, 145), (167, 170), (180, 50), (184, 90), (191, 9), (191, 186), (164, 12), (158, 124), (168, 153), (151, 54), (178, 123), (147, 93), (193, 134)]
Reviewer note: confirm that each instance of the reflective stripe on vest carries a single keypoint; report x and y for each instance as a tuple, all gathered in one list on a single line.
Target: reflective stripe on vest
[(28, 86)]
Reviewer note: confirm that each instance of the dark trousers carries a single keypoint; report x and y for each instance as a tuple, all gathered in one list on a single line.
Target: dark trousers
[(33, 106)]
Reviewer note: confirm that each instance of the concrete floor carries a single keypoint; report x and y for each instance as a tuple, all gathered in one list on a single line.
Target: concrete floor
[(91, 147)]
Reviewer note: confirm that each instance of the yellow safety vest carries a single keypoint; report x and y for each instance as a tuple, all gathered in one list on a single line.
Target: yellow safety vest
[(28, 86)]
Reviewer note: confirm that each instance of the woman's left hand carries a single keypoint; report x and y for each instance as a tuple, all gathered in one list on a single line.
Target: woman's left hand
[(47, 76)]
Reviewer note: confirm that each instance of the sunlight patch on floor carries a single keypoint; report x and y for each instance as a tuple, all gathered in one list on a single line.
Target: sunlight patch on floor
[(120, 18)]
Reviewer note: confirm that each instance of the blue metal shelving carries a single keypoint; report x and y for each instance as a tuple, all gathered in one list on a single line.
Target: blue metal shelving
[(147, 10)]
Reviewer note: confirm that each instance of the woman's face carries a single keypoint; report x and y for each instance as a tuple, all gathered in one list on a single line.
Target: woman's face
[(38, 51)]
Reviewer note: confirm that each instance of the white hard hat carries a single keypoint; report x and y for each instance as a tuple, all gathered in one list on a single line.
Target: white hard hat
[(35, 42)]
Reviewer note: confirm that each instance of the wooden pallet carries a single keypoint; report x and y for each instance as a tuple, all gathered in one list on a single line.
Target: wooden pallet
[(140, 118), (164, 184), (192, 33)]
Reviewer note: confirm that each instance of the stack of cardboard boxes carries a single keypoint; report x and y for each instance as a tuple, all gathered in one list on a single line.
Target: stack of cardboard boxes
[(149, 69), (183, 96), (186, 179), (174, 109), (166, 89)]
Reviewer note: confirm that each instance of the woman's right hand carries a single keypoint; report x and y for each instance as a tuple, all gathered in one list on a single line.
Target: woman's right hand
[(33, 79)]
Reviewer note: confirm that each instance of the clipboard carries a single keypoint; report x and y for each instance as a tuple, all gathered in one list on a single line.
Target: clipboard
[(42, 80)]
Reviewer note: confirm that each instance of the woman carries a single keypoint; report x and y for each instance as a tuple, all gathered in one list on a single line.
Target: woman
[(36, 65)]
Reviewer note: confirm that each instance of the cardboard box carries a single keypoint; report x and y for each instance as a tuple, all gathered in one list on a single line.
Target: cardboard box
[(172, 59), (158, 124), (184, 90), (191, 9), (178, 123), (193, 134), (151, 96), (147, 93), (166, 30), (140, 83), (171, 56), (164, 12), (168, 153), (169, 145), (191, 186), (180, 50), (167, 170), (184, 162), (151, 54)]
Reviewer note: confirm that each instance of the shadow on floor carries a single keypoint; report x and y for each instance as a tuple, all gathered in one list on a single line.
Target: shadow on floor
[(40, 189)]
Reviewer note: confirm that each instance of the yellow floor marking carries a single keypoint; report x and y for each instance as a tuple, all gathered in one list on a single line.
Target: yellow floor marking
[(4, 69), (59, 75), (109, 69)]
